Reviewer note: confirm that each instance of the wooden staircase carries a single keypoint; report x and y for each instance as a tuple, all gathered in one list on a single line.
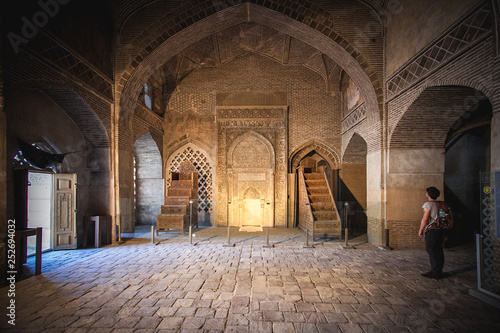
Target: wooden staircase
[(175, 211), (326, 218)]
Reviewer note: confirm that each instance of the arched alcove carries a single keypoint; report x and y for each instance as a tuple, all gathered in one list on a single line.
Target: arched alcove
[(353, 184), (251, 170), (205, 168), (467, 161), (43, 117), (337, 49), (441, 140), (148, 181)]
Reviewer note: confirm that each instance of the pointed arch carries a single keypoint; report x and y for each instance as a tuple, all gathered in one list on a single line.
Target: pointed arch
[(328, 153), (148, 182), (260, 139), (356, 150), (173, 41), (432, 113), (204, 166)]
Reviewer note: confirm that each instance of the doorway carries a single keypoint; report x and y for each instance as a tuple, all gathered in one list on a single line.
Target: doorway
[(40, 211), (468, 152), (51, 201)]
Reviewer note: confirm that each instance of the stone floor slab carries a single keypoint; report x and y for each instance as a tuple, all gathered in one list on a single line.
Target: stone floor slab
[(171, 286)]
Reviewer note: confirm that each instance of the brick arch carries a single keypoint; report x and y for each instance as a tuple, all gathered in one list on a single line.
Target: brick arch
[(74, 102), (220, 16), (483, 91), (189, 142), (141, 135), (139, 131), (355, 150), (426, 121), (329, 154)]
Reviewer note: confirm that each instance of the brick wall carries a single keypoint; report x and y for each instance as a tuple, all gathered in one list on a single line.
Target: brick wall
[(149, 181), (404, 235), (314, 25), (431, 17), (422, 110), (313, 113)]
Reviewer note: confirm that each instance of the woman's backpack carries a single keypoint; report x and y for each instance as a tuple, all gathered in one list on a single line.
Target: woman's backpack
[(444, 215)]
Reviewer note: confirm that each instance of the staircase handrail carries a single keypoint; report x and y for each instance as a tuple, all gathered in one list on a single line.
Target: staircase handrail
[(331, 193), (311, 216)]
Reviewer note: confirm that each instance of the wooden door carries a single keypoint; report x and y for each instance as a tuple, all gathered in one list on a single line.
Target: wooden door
[(64, 211)]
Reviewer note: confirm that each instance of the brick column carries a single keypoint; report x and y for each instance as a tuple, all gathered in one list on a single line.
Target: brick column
[(374, 204)]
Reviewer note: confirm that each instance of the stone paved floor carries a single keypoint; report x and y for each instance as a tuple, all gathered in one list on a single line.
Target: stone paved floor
[(169, 285)]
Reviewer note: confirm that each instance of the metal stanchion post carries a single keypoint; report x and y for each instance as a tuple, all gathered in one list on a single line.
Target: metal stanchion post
[(307, 234), (228, 229), (191, 223), (267, 237), (307, 240), (346, 230), (347, 246), (152, 234)]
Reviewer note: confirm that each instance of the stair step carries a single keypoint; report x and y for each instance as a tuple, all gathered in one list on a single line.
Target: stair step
[(329, 213), (319, 198), (315, 182), (176, 201), (179, 192), (313, 175), (174, 209), (322, 205), (327, 227), (319, 190), (327, 221), (164, 221), (181, 183)]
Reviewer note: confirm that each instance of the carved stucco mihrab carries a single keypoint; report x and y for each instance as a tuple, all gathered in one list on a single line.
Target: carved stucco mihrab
[(251, 165)]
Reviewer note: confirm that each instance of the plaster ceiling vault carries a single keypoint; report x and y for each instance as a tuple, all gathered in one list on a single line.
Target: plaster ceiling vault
[(234, 30), (241, 39)]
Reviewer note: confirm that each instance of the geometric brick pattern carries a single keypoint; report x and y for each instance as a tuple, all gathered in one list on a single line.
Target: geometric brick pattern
[(226, 45), (316, 25), (461, 37), (53, 51), (354, 117)]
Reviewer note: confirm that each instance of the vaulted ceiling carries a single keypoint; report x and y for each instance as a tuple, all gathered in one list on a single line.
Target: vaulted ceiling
[(241, 39)]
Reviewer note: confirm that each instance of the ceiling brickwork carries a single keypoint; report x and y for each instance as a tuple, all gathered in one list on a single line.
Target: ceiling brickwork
[(220, 48), (80, 112), (427, 121), (235, 34)]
